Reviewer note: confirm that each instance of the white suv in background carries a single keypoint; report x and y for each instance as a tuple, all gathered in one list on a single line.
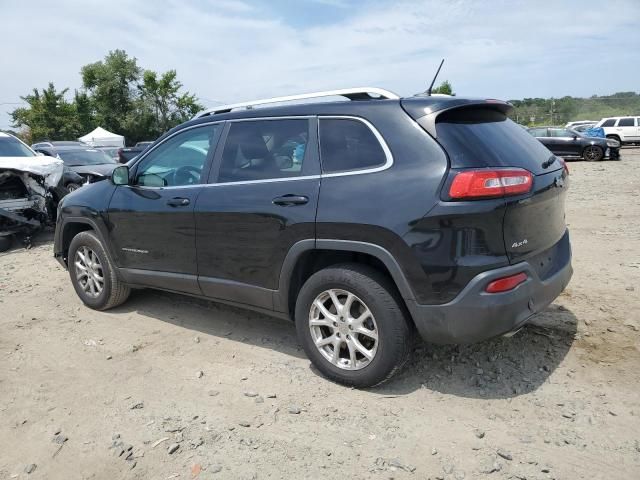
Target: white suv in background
[(623, 129)]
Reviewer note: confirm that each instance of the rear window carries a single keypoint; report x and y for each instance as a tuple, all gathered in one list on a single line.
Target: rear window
[(626, 122), (481, 137), (347, 144), (609, 123)]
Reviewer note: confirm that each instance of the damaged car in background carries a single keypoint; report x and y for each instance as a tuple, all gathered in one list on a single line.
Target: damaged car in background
[(29, 191), (82, 164)]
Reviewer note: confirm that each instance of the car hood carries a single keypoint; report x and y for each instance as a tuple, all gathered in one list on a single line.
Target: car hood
[(48, 168), (102, 170)]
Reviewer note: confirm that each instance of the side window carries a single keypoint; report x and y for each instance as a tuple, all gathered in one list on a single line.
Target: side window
[(178, 161), (348, 144), (626, 122), (559, 132), (609, 123), (538, 132), (264, 149)]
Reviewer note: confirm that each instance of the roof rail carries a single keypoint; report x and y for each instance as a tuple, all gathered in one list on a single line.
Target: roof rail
[(361, 93)]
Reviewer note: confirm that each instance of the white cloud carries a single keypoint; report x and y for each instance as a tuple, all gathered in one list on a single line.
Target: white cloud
[(234, 50)]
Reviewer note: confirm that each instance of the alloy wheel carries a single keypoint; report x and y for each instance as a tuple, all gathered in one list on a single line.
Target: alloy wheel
[(89, 272), (592, 153), (343, 329)]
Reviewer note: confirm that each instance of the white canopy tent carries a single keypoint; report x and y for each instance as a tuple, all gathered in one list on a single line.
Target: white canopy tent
[(103, 138)]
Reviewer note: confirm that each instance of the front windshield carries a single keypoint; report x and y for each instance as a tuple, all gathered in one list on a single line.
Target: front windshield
[(11, 147), (72, 158)]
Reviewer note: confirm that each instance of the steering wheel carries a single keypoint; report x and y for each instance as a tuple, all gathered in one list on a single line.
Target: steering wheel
[(187, 175)]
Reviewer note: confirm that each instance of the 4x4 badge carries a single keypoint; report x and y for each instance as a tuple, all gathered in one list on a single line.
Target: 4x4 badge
[(519, 244)]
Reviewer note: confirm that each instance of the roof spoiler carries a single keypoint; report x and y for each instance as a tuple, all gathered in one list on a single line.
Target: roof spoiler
[(427, 109)]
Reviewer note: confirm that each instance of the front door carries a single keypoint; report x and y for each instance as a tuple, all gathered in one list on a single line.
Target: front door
[(261, 199), (152, 222)]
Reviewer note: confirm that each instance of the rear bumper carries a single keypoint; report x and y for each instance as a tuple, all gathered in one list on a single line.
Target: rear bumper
[(475, 315)]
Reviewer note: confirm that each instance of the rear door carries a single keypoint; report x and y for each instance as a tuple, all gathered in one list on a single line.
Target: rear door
[(485, 138), (261, 199), (152, 220), (626, 129)]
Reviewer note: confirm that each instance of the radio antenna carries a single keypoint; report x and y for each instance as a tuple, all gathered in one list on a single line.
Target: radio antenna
[(434, 78)]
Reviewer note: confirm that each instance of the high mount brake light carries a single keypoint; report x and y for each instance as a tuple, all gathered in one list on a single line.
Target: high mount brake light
[(484, 183)]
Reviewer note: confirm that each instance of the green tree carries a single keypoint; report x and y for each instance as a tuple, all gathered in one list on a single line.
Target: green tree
[(48, 116), (111, 84), (118, 95), (445, 87), (161, 97)]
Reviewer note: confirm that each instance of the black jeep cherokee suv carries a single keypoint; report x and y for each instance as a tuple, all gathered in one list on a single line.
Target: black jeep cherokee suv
[(363, 221)]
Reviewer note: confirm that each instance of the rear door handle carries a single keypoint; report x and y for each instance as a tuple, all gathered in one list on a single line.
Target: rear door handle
[(178, 202), (290, 200)]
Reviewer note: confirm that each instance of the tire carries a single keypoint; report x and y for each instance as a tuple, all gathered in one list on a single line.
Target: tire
[(615, 137), (113, 292), (592, 153), (369, 289), (5, 242), (71, 187)]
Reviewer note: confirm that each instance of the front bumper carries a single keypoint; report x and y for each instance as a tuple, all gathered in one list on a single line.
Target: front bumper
[(475, 315)]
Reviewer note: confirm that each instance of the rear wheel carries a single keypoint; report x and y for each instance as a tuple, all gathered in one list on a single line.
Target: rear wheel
[(592, 153), (351, 325), (615, 137), (92, 274)]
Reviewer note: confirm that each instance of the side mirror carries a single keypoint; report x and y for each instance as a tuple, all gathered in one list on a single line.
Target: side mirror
[(575, 137), (120, 175)]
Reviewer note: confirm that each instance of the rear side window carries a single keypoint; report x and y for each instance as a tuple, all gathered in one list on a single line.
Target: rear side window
[(482, 137), (626, 122), (609, 123), (538, 132), (264, 149), (347, 144), (559, 132)]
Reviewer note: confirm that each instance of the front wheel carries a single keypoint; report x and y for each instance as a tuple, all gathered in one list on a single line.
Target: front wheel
[(352, 326), (92, 274), (593, 153), (72, 187)]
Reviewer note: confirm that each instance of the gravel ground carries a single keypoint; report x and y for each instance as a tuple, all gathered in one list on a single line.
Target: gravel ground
[(170, 387)]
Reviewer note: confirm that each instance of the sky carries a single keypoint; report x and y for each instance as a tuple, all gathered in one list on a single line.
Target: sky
[(228, 51)]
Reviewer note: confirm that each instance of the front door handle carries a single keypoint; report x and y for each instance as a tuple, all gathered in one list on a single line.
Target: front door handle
[(290, 200), (178, 202)]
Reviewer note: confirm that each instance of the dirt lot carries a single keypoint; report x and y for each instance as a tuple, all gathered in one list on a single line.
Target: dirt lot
[(236, 395)]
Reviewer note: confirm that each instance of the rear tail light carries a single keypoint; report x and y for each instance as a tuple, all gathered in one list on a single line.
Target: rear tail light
[(485, 183), (507, 283)]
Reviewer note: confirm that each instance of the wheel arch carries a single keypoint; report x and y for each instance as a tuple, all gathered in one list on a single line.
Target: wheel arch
[(308, 256), (71, 227)]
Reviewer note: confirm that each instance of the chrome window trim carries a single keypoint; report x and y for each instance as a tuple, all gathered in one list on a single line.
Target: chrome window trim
[(388, 155)]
